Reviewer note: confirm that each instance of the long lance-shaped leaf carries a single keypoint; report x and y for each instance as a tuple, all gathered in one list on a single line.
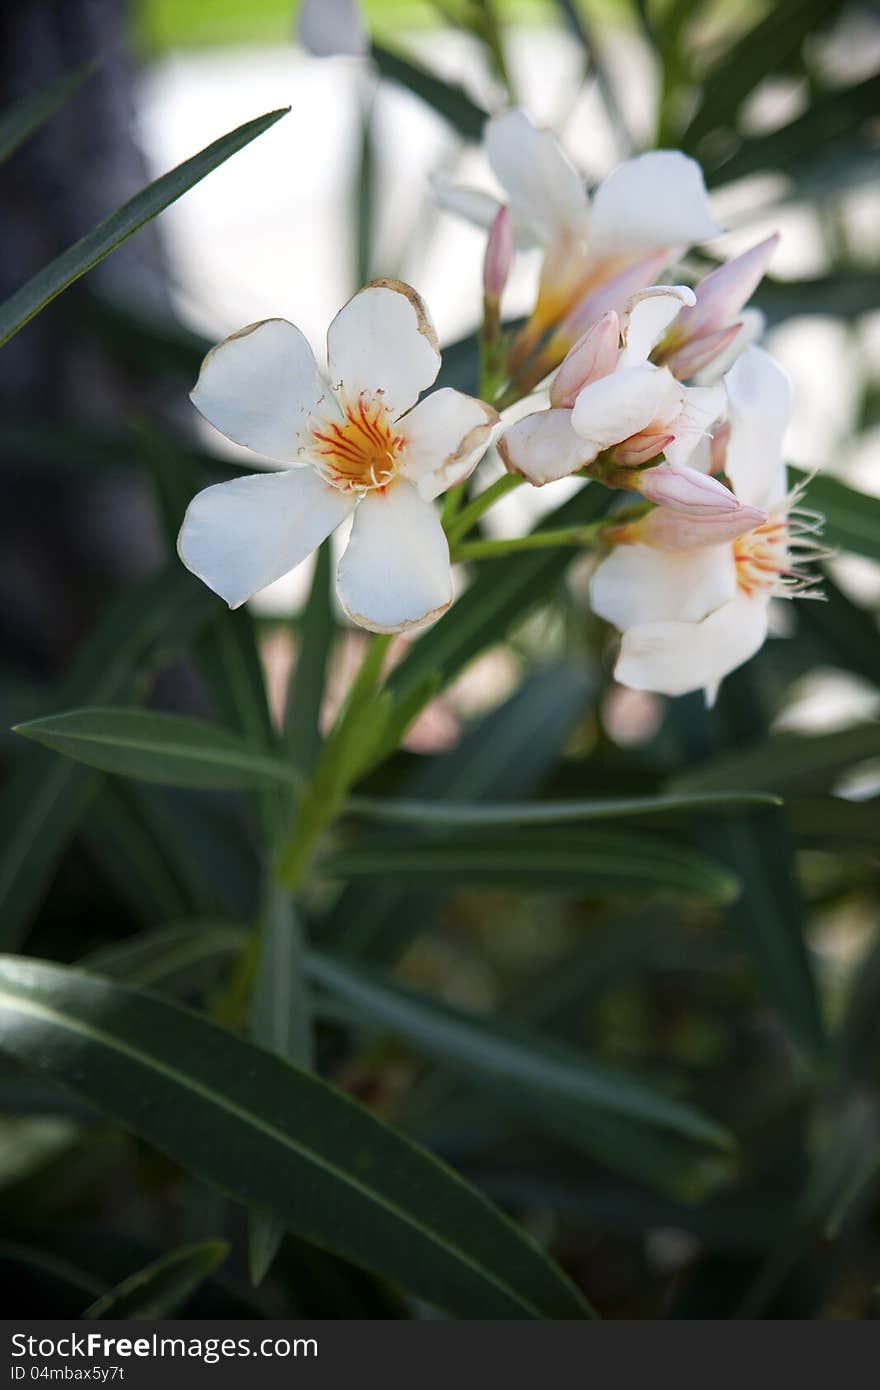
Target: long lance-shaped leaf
[(44, 797), (852, 519), (513, 1057), (772, 45), (447, 98), (163, 1286), (410, 811), (278, 1139), (785, 762), (43, 287), (19, 121), (770, 915), (631, 865), (174, 750)]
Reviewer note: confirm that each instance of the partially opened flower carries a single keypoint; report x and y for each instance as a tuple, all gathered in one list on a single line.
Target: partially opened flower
[(610, 399), (355, 446), (597, 252), (328, 28), (717, 327), (691, 595)]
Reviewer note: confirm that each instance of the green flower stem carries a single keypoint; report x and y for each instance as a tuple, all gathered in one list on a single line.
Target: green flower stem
[(346, 752), (470, 515), (538, 540)]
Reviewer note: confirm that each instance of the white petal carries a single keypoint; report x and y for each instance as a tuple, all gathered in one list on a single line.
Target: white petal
[(328, 27), (546, 193), (259, 386), (617, 406), (544, 447), (657, 199), (445, 436), (395, 572), (674, 658), (383, 340), (759, 395), (646, 318), (470, 203), (240, 536), (638, 584), (702, 406)]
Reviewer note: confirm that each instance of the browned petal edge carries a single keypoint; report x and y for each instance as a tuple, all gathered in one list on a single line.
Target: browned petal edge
[(423, 318)]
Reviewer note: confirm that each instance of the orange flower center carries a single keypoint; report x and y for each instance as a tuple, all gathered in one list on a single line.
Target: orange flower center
[(361, 452), (761, 556)]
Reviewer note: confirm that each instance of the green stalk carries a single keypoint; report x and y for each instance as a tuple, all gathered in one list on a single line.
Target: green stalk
[(470, 515), (538, 540), (345, 752)]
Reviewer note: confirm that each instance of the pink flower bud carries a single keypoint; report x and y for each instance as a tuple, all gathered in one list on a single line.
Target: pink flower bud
[(639, 448), (697, 353), (499, 255), (723, 292), (665, 529), (685, 490), (593, 356)]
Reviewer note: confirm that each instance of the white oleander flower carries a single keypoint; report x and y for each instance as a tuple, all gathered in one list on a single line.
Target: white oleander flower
[(691, 595), (611, 397), (356, 445), (330, 28), (596, 251)]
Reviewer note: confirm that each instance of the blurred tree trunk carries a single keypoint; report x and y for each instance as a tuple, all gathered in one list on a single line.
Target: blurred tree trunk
[(65, 538)]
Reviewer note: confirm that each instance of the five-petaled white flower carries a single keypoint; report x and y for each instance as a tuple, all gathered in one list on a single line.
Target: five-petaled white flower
[(611, 397), (597, 252), (691, 595), (357, 444)]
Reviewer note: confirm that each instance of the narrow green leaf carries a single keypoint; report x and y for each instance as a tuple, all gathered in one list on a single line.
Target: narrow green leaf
[(829, 118), (771, 46), (409, 811), (852, 519), (847, 631), (858, 1036), (163, 1287), (281, 1022), (770, 916), (44, 797), (19, 121), (172, 959), (506, 753), (631, 865), (785, 763), (519, 1059), (447, 98), (174, 750), (43, 287), (279, 1139), (305, 693)]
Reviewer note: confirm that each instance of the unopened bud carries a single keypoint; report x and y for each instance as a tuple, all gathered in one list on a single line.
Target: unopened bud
[(593, 356), (665, 529), (724, 291), (499, 255), (638, 449), (685, 490), (697, 353)]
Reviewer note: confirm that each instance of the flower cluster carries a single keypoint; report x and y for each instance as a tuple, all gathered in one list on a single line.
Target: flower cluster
[(653, 388)]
